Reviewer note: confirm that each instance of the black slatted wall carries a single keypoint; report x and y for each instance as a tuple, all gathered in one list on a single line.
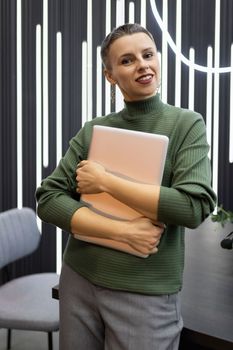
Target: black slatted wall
[(70, 18)]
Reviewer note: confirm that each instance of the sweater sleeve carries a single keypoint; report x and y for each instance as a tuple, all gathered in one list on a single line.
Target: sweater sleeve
[(57, 198), (190, 198)]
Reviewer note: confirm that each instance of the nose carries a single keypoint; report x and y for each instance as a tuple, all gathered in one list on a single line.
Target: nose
[(143, 65)]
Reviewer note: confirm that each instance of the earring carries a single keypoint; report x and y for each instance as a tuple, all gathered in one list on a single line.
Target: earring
[(158, 87), (113, 93)]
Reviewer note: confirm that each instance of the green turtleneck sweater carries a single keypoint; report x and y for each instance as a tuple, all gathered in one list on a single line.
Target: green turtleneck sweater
[(186, 199)]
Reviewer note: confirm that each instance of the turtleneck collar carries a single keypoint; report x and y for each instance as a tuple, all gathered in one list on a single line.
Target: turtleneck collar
[(137, 108)]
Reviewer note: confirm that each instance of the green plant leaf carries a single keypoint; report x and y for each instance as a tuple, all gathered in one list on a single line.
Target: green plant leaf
[(222, 216)]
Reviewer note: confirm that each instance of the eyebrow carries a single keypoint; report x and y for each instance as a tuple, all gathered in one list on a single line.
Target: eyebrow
[(130, 53)]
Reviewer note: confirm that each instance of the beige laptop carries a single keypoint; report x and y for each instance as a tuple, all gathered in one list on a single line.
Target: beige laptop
[(136, 156)]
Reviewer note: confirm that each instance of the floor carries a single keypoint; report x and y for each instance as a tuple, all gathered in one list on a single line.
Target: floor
[(27, 340)]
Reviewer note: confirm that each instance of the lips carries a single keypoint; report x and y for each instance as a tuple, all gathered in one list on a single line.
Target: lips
[(145, 79)]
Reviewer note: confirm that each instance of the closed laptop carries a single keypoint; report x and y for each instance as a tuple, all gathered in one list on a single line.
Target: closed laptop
[(133, 155)]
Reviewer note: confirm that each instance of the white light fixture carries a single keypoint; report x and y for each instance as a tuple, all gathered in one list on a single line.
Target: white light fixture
[(19, 104), (89, 59), (191, 80), (120, 19), (107, 85), (143, 13), (231, 111), (164, 55), (216, 98), (178, 61), (99, 80), (59, 97), (120, 12), (38, 112), (209, 98), (45, 86), (174, 48), (84, 82), (131, 12), (59, 136)]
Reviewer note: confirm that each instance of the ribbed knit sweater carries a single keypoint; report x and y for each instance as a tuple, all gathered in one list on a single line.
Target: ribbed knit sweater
[(186, 199)]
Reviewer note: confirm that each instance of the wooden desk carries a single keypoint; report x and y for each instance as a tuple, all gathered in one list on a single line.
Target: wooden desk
[(207, 295)]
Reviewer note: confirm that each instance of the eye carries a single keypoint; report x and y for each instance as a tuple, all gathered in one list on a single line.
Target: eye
[(148, 55), (126, 61)]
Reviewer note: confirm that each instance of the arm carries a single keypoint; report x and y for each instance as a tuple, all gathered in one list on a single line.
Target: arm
[(190, 198), (92, 178), (185, 198), (140, 233), (59, 204)]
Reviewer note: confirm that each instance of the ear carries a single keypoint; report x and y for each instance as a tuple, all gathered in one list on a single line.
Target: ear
[(109, 76)]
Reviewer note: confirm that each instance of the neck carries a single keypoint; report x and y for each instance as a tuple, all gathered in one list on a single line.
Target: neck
[(148, 105)]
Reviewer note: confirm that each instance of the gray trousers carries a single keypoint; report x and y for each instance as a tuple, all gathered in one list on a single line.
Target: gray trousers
[(96, 318)]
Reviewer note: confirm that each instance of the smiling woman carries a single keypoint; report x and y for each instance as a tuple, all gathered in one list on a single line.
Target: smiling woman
[(134, 66), (111, 299)]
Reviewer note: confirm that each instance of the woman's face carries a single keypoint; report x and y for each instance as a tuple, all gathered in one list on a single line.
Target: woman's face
[(134, 66)]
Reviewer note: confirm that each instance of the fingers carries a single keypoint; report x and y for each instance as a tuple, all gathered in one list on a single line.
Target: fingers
[(154, 250), (160, 224), (155, 243), (82, 163), (145, 251), (79, 166)]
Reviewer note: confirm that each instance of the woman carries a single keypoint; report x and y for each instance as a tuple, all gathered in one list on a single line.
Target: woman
[(110, 299)]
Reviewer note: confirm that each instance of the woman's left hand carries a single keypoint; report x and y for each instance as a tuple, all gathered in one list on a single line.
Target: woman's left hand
[(90, 177)]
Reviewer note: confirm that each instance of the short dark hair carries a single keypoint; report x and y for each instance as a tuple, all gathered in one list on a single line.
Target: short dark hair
[(116, 33)]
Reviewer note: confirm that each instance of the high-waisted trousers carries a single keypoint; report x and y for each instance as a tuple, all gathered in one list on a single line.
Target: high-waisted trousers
[(97, 318)]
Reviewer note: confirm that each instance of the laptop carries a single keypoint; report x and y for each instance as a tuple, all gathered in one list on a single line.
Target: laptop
[(134, 155)]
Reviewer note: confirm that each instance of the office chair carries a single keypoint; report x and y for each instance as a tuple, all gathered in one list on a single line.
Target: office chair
[(26, 302)]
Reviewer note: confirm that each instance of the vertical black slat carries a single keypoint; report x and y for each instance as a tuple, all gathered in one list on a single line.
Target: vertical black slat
[(102, 38), (30, 264), (98, 34), (152, 25), (137, 9), (113, 14), (1, 106), (200, 92), (225, 174), (200, 42), (185, 46), (224, 179), (54, 26), (32, 14), (77, 35), (74, 32), (171, 62), (113, 25), (8, 130), (197, 32), (48, 243), (29, 102), (127, 11), (171, 55), (226, 32)]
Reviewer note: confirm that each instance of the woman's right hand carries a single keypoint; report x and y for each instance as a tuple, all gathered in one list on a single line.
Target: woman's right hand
[(143, 235)]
